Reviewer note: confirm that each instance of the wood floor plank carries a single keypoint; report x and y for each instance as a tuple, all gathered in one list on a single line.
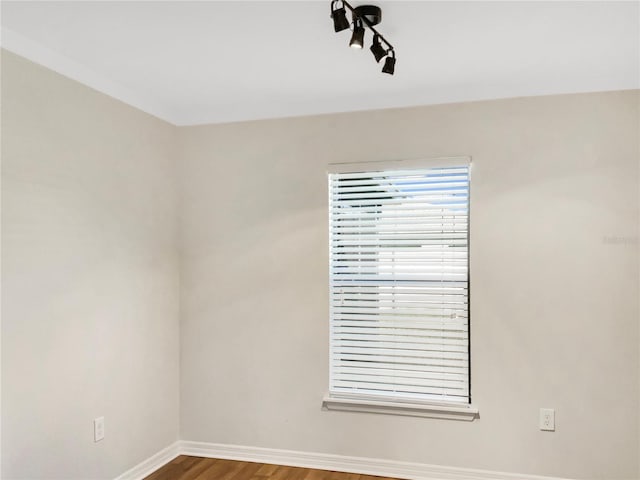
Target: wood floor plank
[(317, 475), (288, 473), (198, 468), (187, 467), (344, 476), (212, 470), (248, 472), (266, 469), (220, 470)]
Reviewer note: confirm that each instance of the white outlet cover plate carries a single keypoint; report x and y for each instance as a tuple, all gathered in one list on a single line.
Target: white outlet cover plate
[(98, 429), (547, 419)]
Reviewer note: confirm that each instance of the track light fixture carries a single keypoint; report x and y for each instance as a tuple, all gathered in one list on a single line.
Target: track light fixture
[(339, 16), (364, 16), (377, 49), (390, 64), (357, 39)]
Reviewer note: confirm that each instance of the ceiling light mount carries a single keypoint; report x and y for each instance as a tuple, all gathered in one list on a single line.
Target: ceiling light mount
[(364, 16), (369, 13)]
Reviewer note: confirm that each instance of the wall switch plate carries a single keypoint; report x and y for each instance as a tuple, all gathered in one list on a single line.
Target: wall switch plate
[(98, 429), (548, 419)]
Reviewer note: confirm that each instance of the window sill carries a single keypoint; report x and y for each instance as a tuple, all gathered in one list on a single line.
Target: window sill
[(466, 413)]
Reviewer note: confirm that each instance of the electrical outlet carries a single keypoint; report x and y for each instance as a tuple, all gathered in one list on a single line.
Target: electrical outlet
[(98, 429), (548, 419)]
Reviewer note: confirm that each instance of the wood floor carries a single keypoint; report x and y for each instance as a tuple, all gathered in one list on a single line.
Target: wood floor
[(196, 468)]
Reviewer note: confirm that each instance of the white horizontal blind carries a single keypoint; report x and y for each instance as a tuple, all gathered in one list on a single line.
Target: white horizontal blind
[(399, 284)]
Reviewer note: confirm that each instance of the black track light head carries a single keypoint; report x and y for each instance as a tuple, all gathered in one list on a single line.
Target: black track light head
[(390, 63), (376, 48), (357, 39), (339, 16)]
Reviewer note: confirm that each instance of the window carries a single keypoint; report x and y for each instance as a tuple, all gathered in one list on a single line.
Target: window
[(399, 284)]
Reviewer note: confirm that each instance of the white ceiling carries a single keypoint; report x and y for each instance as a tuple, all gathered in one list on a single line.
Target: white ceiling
[(206, 62)]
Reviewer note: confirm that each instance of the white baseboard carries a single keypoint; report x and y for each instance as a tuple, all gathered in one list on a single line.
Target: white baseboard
[(321, 461), (340, 463), (153, 463)]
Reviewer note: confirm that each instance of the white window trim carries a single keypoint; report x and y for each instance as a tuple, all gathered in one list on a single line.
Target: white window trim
[(464, 412), (447, 411), (398, 164)]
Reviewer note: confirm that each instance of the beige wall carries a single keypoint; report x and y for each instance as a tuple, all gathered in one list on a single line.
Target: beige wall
[(554, 283), (90, 279)]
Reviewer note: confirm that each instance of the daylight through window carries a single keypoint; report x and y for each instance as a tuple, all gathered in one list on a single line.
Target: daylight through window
[(399, 284)]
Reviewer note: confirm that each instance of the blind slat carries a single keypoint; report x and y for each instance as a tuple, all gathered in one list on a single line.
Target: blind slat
[(408, 360), (397, 181), (421, 369), (446, 313), (393, 341), (431, 214), (400, 174), (393, 380), (432, 346), (401, 372), (341, 332)]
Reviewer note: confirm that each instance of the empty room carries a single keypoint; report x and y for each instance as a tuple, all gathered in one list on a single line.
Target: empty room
[(320, 240)]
